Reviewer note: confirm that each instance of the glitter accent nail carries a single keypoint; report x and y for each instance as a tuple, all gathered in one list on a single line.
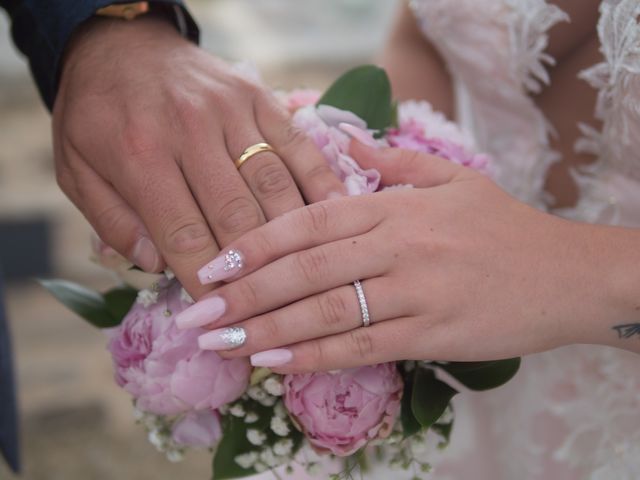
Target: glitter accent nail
[(221, 268)]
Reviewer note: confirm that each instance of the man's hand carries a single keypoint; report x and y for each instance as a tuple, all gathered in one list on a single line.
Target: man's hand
[(146, 126)]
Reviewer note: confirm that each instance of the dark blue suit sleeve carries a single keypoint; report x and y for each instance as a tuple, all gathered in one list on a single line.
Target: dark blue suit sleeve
[(42, 28)]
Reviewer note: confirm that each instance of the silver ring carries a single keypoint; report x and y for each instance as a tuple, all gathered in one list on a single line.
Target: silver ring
[(362, 300)]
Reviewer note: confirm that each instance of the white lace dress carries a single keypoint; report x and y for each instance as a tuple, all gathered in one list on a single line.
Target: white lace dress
[(572, 413)]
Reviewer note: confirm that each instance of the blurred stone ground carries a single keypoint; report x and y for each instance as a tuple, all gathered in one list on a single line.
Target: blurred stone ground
[(76, 424)]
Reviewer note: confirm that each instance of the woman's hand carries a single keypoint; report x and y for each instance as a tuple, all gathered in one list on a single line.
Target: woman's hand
[(456, 271), (146, 127)]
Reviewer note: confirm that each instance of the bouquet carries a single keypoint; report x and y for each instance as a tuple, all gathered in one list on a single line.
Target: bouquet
[(254, 420)]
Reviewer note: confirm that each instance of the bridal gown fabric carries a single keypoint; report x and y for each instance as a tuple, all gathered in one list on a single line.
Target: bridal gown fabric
[(572, 413)]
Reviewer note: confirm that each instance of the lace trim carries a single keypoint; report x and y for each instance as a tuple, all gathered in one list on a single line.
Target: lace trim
[(618, 81), (495, 81)]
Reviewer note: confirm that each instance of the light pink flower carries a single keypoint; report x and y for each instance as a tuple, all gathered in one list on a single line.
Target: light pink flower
[(163, 367), (322, 125), (342, 411), (301, 97), (197, 429)]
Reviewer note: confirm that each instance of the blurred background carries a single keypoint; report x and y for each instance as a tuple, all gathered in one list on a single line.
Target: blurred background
[(76, 423)]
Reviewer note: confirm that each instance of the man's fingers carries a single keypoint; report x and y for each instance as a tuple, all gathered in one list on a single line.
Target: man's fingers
[(112, 219), (306, 163), (266, 175), (399, 166), (156, 189), (224, 198)]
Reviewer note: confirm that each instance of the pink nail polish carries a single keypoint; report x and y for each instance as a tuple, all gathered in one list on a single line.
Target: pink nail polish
[(145, 255), (206, 311), (223, 339), (222, 267), (360, 135), (271, 358)]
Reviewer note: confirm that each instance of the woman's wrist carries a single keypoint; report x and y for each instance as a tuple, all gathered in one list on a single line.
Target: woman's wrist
[(610, 281)]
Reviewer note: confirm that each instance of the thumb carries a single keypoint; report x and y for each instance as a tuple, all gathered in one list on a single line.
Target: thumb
[(399, 166)]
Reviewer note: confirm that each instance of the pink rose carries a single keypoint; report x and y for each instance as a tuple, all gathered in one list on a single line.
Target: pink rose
[(197, 429), (322, 126), (163, 367), (342, 411)]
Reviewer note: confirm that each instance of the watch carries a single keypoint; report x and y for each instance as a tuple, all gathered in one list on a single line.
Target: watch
[(128, 11)]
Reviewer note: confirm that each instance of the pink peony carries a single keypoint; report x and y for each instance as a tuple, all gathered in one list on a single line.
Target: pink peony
[(342, 411), (163, 367), (197, 429), (322, 126), (423, 130), (299, 98)]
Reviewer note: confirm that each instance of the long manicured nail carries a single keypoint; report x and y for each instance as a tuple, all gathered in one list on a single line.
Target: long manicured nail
[(206, 311), (360, 135), (271, 358), (223, 339), (145, 255), (224, 266)]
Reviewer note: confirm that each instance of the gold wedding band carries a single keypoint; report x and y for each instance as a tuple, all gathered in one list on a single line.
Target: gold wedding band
[(251, 151)]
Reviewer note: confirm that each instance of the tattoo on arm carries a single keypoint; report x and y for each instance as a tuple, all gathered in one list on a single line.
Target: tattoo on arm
[(627, 331)]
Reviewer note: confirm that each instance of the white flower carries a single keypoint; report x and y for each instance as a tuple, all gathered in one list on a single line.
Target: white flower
[(147, 297), (273, 386), (260, 467), (256, 393), (256, 437), (269, 458), (279, 426), (251, 417), (283, 447), (246, 460), (156, 439), (280, 410), (175, 456), (237, 410), (185, 297), (268, 401), (314, 469), (223, 409), (169, 274)]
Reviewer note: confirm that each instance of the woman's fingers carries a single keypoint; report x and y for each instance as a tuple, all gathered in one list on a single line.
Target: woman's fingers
[(387, 341), (327, 313), (398, 166), (289, 279), (297, 230), (306, 163)]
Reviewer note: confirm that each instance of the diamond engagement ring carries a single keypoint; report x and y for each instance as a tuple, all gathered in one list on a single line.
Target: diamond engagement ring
[(364, 309)]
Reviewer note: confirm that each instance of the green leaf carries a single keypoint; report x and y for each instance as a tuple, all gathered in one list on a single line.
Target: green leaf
[(483, 375), (444, 430), (365, 91), (234, 442), (87, 303), (410, 424), (430, 397), (119, 301)]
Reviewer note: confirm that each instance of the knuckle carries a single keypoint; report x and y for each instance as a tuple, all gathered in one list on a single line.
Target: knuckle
[(188, 238), (270, 327), (111, 219), (312, 265), (247, 293), (333, 308), (361, 343), (315, 218), (272, 180), (138, 140), (294, 137), (238, 215)]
